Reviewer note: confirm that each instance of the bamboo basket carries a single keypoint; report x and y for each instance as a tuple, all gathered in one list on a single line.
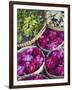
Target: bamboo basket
[(52, 27), (52, 76), (56, 29), (49, 74), (41, 67)]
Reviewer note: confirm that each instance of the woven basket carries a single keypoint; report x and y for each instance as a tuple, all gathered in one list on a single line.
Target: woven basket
[(56, 29), (52, 27), (41, 67), (34, 39), (51, 75)]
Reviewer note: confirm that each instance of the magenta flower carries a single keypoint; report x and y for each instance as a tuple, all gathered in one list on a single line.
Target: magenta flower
[(51, 39), (51, 63), (52, 35), (55, 62), (30, 69), (36, 52), (62, 53), (42, 42), (51, 46), (20, 70), (60, 70)]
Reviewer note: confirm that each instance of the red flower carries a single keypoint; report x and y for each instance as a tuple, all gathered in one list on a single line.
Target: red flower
[(36, 51), (30, 69)]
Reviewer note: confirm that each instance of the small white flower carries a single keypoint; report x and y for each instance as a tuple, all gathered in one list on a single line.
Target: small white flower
[(40, 16), (62, 24)]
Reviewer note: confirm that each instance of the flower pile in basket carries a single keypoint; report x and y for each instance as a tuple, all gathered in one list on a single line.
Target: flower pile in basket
[(30, 60), (54, 63), (51, 39)]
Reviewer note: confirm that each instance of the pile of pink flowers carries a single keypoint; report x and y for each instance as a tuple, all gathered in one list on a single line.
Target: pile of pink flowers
[(29, 61), (55, 62), (51, 39)]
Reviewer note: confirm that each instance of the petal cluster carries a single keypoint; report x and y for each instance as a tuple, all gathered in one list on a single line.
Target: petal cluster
[(55, 62), (29, 61), (51, 39)]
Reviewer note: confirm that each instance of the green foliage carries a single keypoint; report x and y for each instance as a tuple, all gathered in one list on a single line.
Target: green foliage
[(29, 23)]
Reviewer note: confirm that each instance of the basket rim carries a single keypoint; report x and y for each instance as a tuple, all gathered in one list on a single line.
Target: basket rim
[(56, 28), (53, 76), (52, 49)]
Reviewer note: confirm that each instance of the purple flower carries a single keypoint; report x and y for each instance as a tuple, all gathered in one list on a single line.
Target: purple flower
[(51, 63), (52, 35), (61, 34), (62, 53), (20, 70), (52, 71), (36, 51), (28, 57), (56, 54), (51, 39), (60, 70), (51, 46), (30, 69), (42, 42), (55, 62), (29, 60)]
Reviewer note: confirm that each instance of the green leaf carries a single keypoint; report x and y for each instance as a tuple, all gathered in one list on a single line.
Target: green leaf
[(19, 37)]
